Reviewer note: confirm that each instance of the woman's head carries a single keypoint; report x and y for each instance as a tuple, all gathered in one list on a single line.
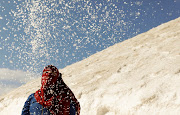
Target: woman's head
[(49, 76)]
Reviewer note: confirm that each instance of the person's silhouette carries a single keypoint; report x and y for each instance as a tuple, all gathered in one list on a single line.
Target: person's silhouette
[(54, 97)]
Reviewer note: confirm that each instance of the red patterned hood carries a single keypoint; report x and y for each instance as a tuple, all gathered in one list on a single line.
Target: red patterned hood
[(49, 76)]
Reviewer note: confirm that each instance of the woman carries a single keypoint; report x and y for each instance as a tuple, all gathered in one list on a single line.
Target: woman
[(54, 97)]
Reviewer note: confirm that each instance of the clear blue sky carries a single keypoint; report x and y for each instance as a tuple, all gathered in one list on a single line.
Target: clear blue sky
[(35, 33)]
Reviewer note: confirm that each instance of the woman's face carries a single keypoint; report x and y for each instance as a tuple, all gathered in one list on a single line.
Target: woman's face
[(49, 72), (49, 77)]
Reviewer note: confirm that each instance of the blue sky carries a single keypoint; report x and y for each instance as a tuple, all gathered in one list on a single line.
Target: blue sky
[(35, 33)]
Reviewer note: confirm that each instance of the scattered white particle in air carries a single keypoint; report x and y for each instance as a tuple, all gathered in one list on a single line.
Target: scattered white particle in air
[(138, 13), (5, 28), (139, 3), (169, 14), (125, 3)]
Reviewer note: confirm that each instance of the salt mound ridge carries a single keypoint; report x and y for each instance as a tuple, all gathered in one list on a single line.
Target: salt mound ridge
[(140, 76)]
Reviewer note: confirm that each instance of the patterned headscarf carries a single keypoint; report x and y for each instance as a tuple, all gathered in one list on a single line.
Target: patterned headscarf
[(54, 94)]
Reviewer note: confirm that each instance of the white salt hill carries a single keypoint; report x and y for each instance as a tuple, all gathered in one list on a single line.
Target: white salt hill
[(140, 76)]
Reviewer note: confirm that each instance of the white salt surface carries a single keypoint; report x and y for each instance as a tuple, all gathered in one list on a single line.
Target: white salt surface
[(140, 76)]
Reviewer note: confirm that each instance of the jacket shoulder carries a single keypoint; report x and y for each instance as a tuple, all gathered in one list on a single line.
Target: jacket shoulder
[(31, 96)]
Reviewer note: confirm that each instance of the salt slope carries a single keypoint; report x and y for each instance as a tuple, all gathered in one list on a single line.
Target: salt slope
[(140, 76)]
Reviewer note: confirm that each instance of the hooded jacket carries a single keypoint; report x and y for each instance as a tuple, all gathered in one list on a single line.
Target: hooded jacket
[(53, 98)]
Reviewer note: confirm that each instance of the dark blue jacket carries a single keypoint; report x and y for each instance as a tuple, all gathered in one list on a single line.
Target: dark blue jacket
[(32, 107)]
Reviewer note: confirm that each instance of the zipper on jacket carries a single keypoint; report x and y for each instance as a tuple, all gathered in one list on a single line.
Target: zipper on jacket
[(42, 111)]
